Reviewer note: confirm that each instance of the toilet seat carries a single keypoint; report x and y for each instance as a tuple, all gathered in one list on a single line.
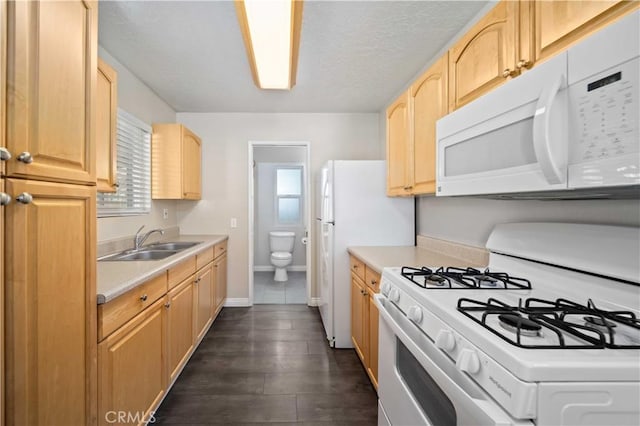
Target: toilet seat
[(281, 255)]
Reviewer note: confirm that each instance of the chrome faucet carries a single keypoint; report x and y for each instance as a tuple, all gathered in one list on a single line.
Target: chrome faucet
[(138, 240)]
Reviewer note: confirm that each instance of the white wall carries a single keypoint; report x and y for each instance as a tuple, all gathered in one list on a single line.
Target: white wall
[(470, 220), (138, 99), (225, 138), (267, 160)]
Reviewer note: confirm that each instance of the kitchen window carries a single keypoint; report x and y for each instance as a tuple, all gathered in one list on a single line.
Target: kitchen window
[(133, 195), (288, 195)]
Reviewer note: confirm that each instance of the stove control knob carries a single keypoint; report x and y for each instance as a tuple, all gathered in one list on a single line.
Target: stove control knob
[(415, 314), (446, 340), (469, 361), (385, 287), (394, 295)]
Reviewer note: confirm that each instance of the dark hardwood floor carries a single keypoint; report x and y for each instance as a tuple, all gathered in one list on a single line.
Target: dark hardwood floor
[(270, 364)]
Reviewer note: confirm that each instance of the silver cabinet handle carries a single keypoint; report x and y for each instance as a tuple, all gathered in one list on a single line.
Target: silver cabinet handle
[(4, 198), (143, 297), (4, 154), (25, 157), (24, 198)]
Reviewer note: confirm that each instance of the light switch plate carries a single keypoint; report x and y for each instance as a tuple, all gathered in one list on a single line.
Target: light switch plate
[(234, 222), (165, 213)]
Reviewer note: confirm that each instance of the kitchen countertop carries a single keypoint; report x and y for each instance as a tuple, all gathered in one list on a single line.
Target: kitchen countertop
[(116, 278), (380, 257)]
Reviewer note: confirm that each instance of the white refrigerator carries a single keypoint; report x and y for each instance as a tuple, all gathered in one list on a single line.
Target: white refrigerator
[(353, 210)]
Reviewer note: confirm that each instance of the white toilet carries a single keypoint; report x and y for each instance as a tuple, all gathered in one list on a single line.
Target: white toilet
[(281, 246)]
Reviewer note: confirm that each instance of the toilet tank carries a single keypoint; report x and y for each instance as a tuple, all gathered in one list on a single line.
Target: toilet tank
[(281, 241)]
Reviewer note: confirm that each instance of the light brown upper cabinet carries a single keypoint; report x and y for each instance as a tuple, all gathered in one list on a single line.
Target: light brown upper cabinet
[(106, 113), (175, 163), (397, 146), (411, 133), (428, 100), (486, 56), (51, 85), (558, 24)]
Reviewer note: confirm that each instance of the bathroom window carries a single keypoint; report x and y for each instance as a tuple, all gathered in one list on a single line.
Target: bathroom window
[(289, 195)]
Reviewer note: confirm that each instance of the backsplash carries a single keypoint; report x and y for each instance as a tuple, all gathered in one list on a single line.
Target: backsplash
[(473, 255)]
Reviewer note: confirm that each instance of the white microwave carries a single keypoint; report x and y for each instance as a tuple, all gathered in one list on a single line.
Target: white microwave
[(569, 128)]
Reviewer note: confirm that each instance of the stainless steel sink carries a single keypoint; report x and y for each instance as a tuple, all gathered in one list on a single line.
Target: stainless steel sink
[(172, 245), (145, 254)]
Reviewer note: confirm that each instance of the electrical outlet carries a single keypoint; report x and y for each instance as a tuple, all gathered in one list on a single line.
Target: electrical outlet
[(234, 222), (165, 213)]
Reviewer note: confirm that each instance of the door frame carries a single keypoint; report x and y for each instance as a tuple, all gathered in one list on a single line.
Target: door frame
[(307, 210)]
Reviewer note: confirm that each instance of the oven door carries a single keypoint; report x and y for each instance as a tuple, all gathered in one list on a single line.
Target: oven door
[(512, 140), (419, 385)]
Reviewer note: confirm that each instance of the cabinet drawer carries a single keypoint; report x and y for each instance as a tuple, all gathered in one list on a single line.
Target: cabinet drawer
[(357, 267), (115, 313), (372, 279), (180, 272), (203, 258), (220, 248)]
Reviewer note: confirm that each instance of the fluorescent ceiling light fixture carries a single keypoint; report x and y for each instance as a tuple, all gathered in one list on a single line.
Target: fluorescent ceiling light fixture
[(271, 33)]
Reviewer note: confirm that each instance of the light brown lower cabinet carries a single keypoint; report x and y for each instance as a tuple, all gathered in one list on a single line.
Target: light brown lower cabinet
[(365, 282), (220, 267), (204, 294), (131, 369), (50, 304), (359, 307), (147, 336), (180, 320)]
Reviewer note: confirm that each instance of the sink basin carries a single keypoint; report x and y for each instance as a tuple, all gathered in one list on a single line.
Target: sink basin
[(172, 246), (140, 255)]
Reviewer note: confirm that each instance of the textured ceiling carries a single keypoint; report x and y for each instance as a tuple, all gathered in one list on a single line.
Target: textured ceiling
[(353, 55)]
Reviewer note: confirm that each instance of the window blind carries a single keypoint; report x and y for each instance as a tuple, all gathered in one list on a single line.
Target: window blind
[(133, 195)]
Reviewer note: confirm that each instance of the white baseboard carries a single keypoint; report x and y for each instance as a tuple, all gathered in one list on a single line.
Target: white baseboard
[(237, 302), (270, 268), (315, 301)]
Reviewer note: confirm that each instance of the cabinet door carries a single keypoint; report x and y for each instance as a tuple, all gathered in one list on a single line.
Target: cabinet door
[(429, 103), (372, 367), (1, 294), (132, 373), (204, 295), (106, 113), (51, 80), (484, 57), (358, 308), (180, 320), (51, 304), (398, 146), (559, 23), (191, 152), (220, 266)]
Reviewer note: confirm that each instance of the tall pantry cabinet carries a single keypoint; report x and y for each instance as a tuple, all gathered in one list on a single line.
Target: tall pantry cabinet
[(50, 222)]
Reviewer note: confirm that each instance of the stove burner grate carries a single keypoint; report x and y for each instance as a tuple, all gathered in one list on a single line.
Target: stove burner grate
[(516, 323), (588, 326), (459, 279)]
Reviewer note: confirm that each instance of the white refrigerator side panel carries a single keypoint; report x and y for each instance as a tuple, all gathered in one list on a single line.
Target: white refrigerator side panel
[(363, 215)]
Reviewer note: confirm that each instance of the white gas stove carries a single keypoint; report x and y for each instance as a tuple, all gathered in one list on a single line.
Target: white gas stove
[(547, 334)]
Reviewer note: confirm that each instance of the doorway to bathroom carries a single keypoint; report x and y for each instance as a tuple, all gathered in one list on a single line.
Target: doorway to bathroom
[(279, 218)]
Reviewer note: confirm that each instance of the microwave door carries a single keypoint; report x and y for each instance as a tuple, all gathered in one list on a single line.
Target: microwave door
[(511, 140)]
